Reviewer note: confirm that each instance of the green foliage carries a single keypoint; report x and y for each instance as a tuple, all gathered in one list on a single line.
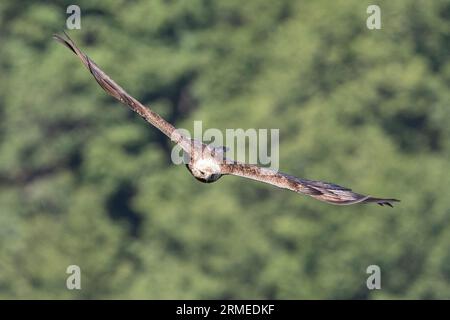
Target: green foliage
[(84, 181)]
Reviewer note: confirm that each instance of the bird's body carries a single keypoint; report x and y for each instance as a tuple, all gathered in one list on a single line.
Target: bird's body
[(207, 164)]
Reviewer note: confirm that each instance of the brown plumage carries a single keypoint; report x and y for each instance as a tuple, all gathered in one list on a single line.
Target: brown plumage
[(323, 191), (208, 164)]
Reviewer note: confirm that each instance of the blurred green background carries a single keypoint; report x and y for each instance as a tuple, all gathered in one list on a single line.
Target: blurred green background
[(85, 181)]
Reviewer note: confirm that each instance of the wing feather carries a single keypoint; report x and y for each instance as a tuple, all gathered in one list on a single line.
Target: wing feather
[(120, 94), (323, 191)]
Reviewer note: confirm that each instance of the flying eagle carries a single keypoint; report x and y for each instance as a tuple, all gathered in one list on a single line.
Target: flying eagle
[(207, 164)]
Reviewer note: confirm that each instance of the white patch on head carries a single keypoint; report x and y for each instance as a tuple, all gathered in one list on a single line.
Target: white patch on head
[(207, 165)]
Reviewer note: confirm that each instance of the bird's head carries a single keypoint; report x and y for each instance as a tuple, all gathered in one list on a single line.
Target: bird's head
[(204, 170)]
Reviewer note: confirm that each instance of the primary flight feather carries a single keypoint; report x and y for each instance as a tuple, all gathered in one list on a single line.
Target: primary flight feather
[(207, 164)]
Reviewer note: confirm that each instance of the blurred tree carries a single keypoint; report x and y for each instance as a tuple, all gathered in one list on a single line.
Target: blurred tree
[(84, 181)]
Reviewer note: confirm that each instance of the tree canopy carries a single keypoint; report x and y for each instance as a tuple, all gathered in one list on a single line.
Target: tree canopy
[(84, 181)]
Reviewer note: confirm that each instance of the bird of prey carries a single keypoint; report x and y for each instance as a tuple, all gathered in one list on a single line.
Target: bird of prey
[(206, 163)]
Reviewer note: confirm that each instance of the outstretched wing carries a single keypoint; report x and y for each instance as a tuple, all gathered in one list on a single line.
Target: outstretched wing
[(323, 191), (120, 94)]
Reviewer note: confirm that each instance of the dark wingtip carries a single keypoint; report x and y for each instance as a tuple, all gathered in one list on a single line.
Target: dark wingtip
[(386, 202), (65, 42)]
